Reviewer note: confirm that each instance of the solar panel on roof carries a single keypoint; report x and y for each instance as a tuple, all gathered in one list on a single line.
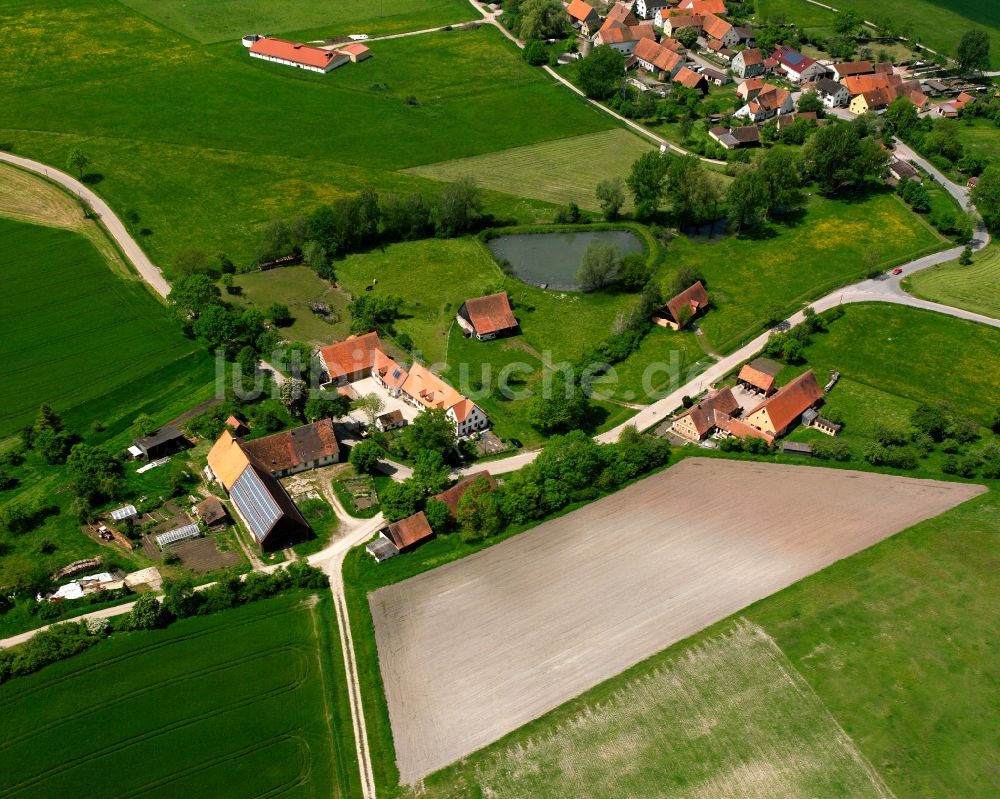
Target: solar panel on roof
[(255, 503), (180, 534), (793, 57)]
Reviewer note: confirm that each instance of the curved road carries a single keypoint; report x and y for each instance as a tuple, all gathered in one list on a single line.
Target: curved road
[(146, 268)]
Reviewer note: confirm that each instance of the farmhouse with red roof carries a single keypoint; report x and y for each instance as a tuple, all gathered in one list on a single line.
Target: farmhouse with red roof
[(683, 308), (304, 56)]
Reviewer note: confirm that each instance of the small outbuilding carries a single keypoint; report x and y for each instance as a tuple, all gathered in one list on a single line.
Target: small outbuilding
[(487, 317), (755, 380), (452, 496), (390, 421), (683, 308), (400, 536), (163, 442), (212, 512)]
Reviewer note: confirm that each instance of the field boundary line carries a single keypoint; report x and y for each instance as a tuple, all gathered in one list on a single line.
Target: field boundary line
[(803, 687)]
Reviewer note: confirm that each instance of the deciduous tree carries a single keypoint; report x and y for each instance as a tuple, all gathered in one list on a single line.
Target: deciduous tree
[(601, 72), (611, 195), (973, 53)]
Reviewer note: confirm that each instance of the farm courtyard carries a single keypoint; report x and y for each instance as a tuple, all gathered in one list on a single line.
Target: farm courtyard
[(473, 650)]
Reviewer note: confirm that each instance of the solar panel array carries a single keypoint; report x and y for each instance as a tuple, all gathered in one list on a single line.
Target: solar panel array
[(255, 503), (126, 512), (180, 534)]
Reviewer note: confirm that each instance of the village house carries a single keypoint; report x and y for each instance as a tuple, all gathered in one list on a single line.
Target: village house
[(675, 23), (734, 138), (295, 54), (748, 63), (400, 536), (718, 49), (705, 417), (624, 38), (777, 414), (770, 101), (814, 421), (657, 60), (452, 496), (691, 80), (488, 317), (859, 84), (701, 7), (750, 88), (952, 107), (717, 29), (832, 93), (359, 357), (647, 8), (260, 501), (797, 67), (292, 451), (852, 68), (583, 16), (874, 101), (681, 309), (745, 36), (390, 421)]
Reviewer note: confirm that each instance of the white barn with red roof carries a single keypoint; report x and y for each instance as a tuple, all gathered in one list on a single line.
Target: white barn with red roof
[(301, 56)]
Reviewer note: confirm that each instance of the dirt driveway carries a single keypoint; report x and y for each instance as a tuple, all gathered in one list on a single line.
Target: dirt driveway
[(479, 647)]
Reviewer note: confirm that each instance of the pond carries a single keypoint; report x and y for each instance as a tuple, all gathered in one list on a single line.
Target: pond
[(551, 260)]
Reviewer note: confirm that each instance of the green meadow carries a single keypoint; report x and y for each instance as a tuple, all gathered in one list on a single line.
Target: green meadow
[(208, 145), (246, 702), (209, 21), (975, 287)]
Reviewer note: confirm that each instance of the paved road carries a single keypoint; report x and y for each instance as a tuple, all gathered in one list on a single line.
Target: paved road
[(146, 268)]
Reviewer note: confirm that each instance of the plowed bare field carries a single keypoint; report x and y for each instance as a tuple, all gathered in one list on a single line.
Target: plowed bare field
[(474, 649)]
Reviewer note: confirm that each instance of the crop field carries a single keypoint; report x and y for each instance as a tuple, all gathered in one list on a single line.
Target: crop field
[(151, 108), (939, 24), (731, 716), (561, 171), (242, 703), (66, 311), (475, 649), (799, 259), (217, 20), (975, 287)]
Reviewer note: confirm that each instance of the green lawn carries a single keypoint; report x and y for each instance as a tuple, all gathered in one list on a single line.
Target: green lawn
[(91, 344), (177, 132), (939, 24), (916, 355), (789, 263), (562, 171), (730, 717), (981, 137), (298, 287), (975, 287), (217, 20), (246, 702)]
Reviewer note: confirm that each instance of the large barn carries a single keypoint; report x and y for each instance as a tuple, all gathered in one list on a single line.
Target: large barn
[(487, 317), (259, 499), (307, 447), (301, 56)]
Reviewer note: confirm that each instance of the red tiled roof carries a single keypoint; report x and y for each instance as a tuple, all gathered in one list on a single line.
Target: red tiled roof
[(859, 84), (694, 297), (657, 55), (710, 411), (685, 21), (715, 26), (791, 401), (293, 51), (492, 313), (579, 10), (752, 56), (409, 531), (390, 372), (452, 496), (740, 429), (621, 12), (355, 354), (705, 6), (755, 377), (288, 450), (854, 68), (876, 98), (688, 78)]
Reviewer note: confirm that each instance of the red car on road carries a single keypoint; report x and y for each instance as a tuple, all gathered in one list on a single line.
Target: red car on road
[(898, 270)]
